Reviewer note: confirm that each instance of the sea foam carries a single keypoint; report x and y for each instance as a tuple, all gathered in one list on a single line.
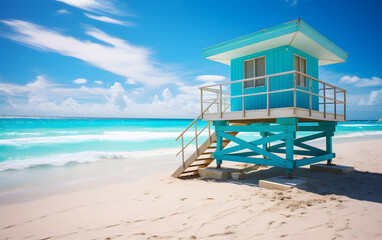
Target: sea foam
[(128, 136), (81, 157)]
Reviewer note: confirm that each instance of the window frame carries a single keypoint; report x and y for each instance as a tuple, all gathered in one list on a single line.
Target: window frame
[(306, 70), (254, 71)]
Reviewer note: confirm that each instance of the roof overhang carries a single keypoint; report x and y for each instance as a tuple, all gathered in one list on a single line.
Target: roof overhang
[(297, 34)]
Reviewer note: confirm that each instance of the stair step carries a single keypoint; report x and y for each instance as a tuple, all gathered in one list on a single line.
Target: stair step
[(206, 153), (225, 140), (211, 147), (204, 159), (189, 171), (198, 165)]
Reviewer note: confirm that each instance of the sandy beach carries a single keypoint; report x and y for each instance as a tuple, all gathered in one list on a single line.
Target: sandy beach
[(329, 206)]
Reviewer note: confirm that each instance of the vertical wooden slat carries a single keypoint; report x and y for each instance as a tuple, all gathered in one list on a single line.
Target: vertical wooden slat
[(268, 110), (242, 99), (221, 102), (196, 136), (294, 93), (310, 97), (183, 153), (201, 102), (345, 105), (335, 103), (324, 100)]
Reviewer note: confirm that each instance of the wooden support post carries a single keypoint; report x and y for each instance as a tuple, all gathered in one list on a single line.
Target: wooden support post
[(265, 145), (329, 133), (290, 125), (219, 140)]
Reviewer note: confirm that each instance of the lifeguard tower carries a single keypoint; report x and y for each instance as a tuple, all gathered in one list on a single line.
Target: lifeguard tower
[(275, 97)]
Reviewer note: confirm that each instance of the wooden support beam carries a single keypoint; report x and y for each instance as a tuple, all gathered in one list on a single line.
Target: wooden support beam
[(312, 160), (239, 147), (254, 148), (260, 161)]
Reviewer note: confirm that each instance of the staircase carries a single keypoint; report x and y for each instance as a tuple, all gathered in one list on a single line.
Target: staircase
[(202, 157)]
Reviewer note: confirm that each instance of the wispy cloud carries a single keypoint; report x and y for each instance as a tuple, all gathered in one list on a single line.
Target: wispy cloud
[(98, 82), (93, 5), (375, 98), (121, 58), (361, 82), (210, 78), (43, 98), (63, 11), (292, 2), (109, 20), (80, 81)]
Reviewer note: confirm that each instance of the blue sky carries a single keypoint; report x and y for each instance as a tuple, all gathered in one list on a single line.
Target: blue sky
[(133, 58)]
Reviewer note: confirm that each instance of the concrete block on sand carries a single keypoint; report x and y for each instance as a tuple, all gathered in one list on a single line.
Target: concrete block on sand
[(216, 173), (331, 168), (281, 183), (238, 175)]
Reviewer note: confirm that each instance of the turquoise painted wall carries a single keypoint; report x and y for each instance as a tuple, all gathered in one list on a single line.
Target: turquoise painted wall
[(277, 60)]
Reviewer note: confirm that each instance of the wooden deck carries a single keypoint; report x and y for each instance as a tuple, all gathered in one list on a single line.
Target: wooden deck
[(253, 116)]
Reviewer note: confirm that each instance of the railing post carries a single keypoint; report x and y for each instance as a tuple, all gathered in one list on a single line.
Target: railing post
[(217, 102), (196, 136), (183, 153), (345, 105), (221, 103), (268, 110), (335, 103), (201, 103), (209, 130), (324, 100), (294, 93), (310, 97), (242, 99)]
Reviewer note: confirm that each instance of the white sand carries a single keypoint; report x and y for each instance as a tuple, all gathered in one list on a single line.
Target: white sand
[(330, 206)]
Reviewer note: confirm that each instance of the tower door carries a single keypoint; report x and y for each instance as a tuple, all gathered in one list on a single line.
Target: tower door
[(300, 65)]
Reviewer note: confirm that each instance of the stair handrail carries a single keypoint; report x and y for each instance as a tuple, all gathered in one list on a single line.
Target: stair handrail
[(196, 131), (195, 120)]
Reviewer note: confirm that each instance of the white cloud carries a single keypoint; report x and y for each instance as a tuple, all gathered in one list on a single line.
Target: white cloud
[(80, 81), (120, 58), (361, 82), (130, 81), (98, 82), (63, 11), (93, 5), (166, 94), (210, 78), (41, 98), (109, 20), (292, 2), (375, 98)]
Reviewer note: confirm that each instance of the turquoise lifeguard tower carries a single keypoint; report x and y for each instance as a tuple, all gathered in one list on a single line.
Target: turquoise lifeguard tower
[(275, 94)]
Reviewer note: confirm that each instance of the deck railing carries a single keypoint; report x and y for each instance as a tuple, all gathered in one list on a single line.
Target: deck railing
[(330, 94), (197, 133)]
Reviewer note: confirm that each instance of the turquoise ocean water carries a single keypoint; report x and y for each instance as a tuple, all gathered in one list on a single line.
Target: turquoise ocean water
[(29, 142)]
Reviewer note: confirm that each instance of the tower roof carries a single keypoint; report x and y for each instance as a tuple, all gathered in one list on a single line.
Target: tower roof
[(297, 34)]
